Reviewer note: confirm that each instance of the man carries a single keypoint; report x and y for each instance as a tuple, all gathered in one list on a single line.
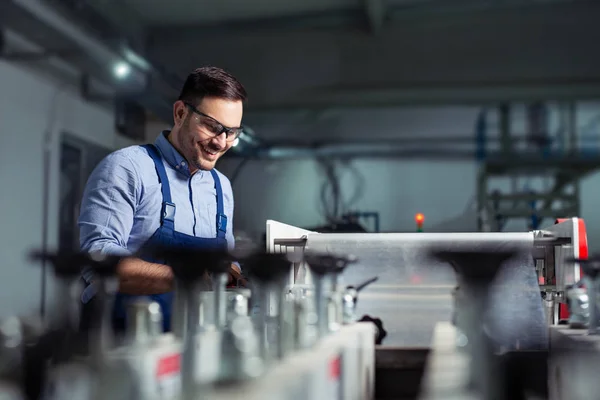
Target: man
[(168, 193)]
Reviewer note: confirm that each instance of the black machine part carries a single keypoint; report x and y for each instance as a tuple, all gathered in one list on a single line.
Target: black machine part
[(268, 267), (324, 264), (69, 264), (381, 332), (590, 265), (353, 291), (190, 265), (63, 342)]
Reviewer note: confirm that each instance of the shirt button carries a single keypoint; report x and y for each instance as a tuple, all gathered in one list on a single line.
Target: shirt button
[(183, 164), (177, 166)]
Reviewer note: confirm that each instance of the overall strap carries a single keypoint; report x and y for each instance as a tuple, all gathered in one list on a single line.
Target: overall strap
[(167, 214), (221, 217)]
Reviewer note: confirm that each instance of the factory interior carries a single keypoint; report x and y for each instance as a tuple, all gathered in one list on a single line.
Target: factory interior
[(416, 188)]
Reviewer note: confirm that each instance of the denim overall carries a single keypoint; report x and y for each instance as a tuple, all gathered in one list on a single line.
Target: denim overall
[(166, 235)]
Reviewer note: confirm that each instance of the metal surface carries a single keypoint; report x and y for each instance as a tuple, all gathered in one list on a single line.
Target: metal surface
[(566, 272), (411, 311), (573, 368)]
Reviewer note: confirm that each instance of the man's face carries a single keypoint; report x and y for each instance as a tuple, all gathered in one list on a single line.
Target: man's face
[(200, 137)]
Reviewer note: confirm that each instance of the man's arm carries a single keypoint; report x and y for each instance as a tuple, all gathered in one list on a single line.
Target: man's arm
[(140, 277), (106, 218)]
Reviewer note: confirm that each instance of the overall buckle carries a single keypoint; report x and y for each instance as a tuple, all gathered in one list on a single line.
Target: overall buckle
[(222, 222), (168, 212)]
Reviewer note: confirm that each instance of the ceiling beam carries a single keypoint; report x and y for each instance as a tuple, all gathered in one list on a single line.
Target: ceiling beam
[(376, 13), (310, 20), (464, 94)]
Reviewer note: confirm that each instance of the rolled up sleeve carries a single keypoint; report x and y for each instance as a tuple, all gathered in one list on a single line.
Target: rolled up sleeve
[(108, 206)]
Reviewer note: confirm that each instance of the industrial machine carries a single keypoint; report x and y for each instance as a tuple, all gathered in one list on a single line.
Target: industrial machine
[(307, 339)]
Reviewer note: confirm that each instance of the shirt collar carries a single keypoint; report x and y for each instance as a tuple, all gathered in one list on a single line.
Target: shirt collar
[(170, 154)]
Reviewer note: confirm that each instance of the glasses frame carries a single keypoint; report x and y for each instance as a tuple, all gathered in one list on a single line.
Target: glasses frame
[(231, 134)]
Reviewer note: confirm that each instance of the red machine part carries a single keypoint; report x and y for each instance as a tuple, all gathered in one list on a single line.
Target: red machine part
[(168, 365), (581, 252)]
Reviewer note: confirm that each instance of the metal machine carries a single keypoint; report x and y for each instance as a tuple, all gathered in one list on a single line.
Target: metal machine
[(513, 290), (307, 340), (280, 354)]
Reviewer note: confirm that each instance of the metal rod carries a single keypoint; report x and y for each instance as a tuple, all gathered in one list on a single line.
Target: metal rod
[(456, 241), (591, 292), (366, 283), (179, 312), (295, 242), (264, 313), (321, 306), (99, 335), (281, 322), (220, 301), (188, 372)]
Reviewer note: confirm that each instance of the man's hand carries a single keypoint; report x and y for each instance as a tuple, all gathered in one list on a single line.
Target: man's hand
[(235, 276), (139, 277)]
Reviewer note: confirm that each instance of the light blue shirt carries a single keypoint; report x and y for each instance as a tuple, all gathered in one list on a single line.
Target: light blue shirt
[(121, 204)]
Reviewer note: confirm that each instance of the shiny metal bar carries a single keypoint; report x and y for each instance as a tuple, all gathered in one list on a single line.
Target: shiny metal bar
[(189, 294), (220, 301), (321, 306), (512, 240), (179, 312)]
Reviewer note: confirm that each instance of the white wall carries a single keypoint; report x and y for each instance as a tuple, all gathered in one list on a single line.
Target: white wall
[(289, 190), (29, 107)]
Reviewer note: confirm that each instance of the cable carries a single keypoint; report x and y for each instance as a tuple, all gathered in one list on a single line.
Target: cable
[(359, 187), (331, 182), (334, 206)]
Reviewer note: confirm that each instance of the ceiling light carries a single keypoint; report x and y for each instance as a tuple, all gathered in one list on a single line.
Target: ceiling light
[(121, 70), (236, 141)]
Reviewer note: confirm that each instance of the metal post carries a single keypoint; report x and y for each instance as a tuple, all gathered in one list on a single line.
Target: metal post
[(188, 370), (220, 301), (179, 312), (321, 306), (572, 127), (265, 297), (505, 134), (592, 304)]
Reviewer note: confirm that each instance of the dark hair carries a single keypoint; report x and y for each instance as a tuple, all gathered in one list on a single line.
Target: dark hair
[(211, 82)]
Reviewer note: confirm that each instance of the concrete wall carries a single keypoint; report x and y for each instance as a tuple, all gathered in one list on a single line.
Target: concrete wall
[(31, 108)]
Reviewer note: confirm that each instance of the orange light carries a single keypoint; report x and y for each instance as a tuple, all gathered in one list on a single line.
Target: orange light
[(419, 218)]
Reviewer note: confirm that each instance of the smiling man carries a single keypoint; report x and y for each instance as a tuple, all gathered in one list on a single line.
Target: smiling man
[(168, 192)]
